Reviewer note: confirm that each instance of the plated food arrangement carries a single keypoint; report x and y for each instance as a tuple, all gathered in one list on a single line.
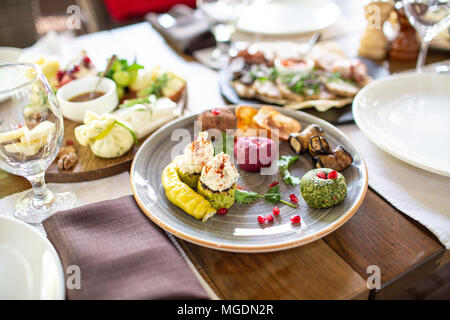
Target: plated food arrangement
[(233, 190), (106, 114), (283, 74)]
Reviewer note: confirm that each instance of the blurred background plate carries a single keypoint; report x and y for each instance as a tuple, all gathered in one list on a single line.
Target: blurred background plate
[(408, 116), (287, 17), (9, 54), (29, 265)]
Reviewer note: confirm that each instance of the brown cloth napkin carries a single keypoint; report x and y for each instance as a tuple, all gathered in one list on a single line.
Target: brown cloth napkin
[(121, 253), (184, 28)]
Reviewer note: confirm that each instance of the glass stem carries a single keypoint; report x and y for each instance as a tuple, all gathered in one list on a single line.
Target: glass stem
[(422, 54), (42, 196)]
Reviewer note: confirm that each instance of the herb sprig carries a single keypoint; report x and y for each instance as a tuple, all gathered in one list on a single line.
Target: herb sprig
[(272, 196), (283, 166)]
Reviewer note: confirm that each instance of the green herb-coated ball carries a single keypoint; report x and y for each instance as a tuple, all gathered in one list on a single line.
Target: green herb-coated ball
[(322, 193)]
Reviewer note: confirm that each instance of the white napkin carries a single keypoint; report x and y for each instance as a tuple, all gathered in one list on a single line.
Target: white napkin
[(422, 195)]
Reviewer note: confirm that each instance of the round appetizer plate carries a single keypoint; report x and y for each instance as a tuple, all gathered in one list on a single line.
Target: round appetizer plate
[(29, 265), (239, 230), (288, 17), (407, 115)]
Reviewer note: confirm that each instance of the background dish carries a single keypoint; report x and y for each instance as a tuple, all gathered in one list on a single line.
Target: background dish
[(335, 116), (407, 115), (89, 166), (288, 16), (239, 230), (29, 265)]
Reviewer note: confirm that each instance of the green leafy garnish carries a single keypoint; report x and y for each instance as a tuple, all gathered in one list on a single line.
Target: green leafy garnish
[(136, 140), (272, 196), (155, 87), (283, 166), (131, 102)]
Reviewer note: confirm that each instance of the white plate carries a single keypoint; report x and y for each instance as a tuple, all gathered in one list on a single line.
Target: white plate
[(29, 265), (408, 116), (288, 17)]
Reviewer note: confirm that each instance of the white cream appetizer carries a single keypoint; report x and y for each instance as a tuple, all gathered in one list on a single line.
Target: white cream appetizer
[(107, 136), (195, 156), (147, 114)]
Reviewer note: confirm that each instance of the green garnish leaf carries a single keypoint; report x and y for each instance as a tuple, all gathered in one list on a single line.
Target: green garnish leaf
[(273, 196), (245, 197), (156, 86), (283, 166), (136, 140)]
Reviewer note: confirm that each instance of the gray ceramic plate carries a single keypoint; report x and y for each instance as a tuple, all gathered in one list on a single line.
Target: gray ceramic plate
[(239, 229)]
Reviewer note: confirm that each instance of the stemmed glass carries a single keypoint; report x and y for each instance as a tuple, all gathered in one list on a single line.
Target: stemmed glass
[(429, 18), (222, 16), (31, 131)]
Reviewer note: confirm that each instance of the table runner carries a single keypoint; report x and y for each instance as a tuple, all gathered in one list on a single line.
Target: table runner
[(422, 195)]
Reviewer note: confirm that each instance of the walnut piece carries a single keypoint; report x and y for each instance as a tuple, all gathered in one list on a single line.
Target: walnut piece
[(67, 161), (66, 150)]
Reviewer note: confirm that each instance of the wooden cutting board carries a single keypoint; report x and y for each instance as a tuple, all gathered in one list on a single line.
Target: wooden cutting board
[(90, 167)]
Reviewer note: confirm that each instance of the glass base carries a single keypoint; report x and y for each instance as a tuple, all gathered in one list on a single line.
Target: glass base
[(34, 212)]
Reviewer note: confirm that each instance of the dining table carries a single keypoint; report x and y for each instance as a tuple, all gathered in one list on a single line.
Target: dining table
[(336, 266)]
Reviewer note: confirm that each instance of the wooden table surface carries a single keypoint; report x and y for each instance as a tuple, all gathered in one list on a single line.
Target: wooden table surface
[(334, 267)]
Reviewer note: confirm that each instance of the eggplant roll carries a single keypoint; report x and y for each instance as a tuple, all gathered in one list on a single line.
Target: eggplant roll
[(299, 140), (338, 160), (318, 146)]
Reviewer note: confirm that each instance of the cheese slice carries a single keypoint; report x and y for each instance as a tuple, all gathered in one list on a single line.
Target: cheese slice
[(43, 129), (13, 134), (26, 148)]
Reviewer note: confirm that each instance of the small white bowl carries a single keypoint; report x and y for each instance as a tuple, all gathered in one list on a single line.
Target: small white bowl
[(75, 110)]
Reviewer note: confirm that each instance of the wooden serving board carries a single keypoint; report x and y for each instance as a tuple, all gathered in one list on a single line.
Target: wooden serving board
[(90, 167)]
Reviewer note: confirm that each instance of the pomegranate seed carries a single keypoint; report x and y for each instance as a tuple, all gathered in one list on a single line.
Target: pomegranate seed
[(239, 187), (60, 75), (273, 184), (293, 198), (69, 142), (269, 218), (222, 211), (321, 175), (334, 198), (86, 61), (296, 219), (19, 125), (332, 175), (216, 112), (261, 219), (276, 211)]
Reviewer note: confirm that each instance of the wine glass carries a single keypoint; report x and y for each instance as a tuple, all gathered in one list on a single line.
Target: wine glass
[(429, 18), (31, 131), (222, 16)]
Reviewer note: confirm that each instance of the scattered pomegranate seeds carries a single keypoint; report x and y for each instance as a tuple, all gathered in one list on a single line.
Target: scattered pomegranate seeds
[(216, 112), (269, 218), (296, 219), (321, 175), (69, 142), (332, 175), (293, 198), (222, 211), (273, 184), (276, 211), (261, 219)]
